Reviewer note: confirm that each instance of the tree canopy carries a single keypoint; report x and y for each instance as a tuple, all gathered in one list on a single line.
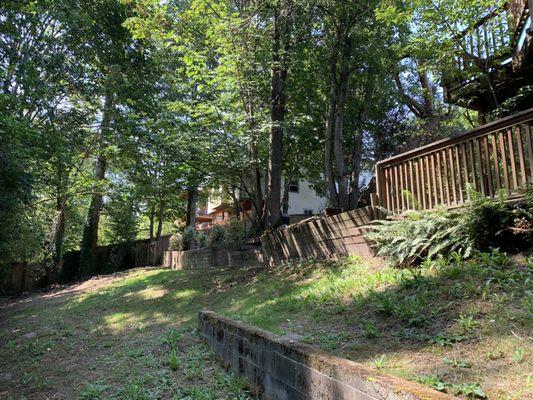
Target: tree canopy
[(116, 115)]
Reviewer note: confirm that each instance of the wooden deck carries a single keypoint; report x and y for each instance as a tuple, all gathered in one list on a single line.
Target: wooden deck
[(497, 156)]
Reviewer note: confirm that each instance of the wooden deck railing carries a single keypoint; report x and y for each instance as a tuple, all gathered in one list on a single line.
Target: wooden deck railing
[(495, 156), (488, 45)]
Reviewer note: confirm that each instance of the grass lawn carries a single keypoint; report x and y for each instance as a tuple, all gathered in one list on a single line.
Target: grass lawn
[(459, 327)]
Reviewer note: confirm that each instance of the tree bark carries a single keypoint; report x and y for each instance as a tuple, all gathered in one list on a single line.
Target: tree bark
[(160, 215), (58, 235), (278, 73), (285, 198), (89, 240), (192, 200), (356, 157), (152, 218), (90, 232), (338, 140), (330, 122)]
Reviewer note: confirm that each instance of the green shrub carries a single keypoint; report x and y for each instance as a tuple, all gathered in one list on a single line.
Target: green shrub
[(201, 239), (188, 238), (216, 235), (175, 242), (235, 230), (488, 221), (419, 235)]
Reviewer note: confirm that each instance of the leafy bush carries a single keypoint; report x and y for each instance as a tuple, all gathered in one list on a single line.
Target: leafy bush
[(175, 242), (216, 235), (488, 221), (201, 239), (235, 230), (188, 238), (421, 234)]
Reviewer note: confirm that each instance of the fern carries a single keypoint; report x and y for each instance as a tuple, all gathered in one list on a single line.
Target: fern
[(419, 235)]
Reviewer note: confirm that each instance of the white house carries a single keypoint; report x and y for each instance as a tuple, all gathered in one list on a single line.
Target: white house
[(303, 201)]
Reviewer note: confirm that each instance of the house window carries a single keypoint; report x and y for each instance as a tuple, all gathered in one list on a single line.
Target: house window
[(294, 186), (308, 211)]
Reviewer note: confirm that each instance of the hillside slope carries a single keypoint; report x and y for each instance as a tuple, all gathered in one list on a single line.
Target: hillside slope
[(460, 327)]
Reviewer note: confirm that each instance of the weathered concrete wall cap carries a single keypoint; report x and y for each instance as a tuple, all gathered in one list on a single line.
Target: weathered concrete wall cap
[(286, 370)]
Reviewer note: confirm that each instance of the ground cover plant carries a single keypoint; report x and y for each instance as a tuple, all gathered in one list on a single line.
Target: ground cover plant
[(458, 326), (483, 224)]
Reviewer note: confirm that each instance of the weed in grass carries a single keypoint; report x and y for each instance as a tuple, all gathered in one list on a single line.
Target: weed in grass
[(518, 355), (93, 391), (331, 341), (448, 339), (412, 334), (195, 363), (172, 337), (379, 363), (467, 323), (433, 381), (494, 354), (174, 361), (457, 363), (135, 391), (198, 393), (369, 330), (135, 353), (470, 390), (26, 378)]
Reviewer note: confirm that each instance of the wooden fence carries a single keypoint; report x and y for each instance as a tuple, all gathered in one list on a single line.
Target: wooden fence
[(495, 156)]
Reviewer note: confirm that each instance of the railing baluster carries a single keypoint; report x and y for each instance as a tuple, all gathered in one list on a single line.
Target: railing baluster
[(388, 189), (400, 172), (396, 188), (473, 164), (488, 168), (418, 189), (512, 157), (479, 162), (423, 182), (465, 168), (455, 150), (439, 170), (496, 160), (434, 179), (446, 180), (521, 159), (529, 151), (504, 161), (412, 185), (453, 179)]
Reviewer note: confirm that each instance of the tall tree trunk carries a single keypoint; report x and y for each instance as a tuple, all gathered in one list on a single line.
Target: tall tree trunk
[(57, 238), (330, 124), (356, 170), (192, 200), (338, 140), (236, 203), (278, 73), (160, 219), (152, 218), (285, 198), (90, 232)]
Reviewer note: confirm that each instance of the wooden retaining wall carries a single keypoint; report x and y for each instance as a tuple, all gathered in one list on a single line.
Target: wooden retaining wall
[(224, 255), (326, 237), (317, 237)]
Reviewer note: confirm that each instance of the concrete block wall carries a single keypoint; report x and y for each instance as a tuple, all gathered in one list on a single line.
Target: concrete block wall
[(327, 237), (229, 254), (286, 370)]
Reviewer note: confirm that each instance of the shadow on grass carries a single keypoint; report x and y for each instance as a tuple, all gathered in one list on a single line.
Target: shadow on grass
[(353, 310)]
